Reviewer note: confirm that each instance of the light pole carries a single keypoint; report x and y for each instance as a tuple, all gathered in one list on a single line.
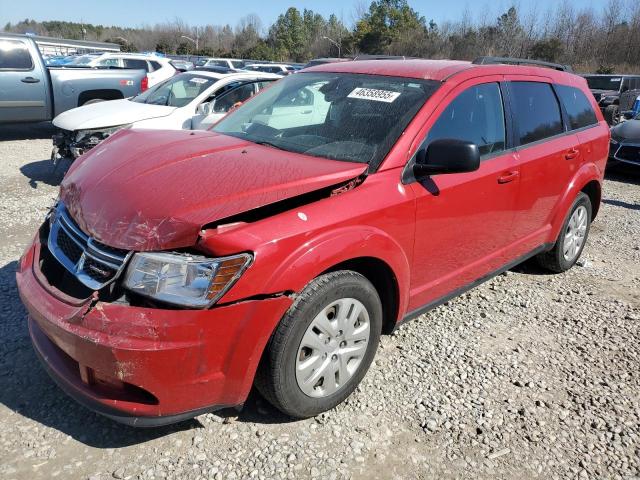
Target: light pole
[(335, 43), (192, 40)]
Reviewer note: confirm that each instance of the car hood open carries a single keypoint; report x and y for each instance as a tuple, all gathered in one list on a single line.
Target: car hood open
[(109, 114), (155, 189)]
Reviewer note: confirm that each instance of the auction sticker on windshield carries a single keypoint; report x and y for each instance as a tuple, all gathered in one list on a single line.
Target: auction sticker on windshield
[(199, 80), (386, 96)]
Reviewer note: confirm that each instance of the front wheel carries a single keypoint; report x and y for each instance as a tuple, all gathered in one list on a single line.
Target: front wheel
[(323, 346), (572, 238)]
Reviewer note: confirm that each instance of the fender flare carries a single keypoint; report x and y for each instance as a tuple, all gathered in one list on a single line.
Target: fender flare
[(337, 246)]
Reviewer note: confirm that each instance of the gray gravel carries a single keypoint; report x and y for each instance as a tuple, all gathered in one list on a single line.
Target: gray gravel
[(530, 375)]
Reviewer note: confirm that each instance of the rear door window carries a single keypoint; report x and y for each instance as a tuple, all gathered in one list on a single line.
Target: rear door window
[(233, 97), (476, 115), (155, 66), (536, 111), (14, 55), (577, 106)]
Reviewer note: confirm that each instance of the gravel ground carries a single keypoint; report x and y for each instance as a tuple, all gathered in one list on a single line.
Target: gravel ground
[(528, 376)]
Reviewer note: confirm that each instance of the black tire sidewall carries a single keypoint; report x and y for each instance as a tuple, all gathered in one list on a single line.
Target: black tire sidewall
[(581, 199), (296, 402)]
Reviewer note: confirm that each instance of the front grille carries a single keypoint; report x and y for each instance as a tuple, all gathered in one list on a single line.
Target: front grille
[(93, 263), (629, 153)]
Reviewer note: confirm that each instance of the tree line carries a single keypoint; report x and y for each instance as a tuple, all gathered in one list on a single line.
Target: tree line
[(603, 40)]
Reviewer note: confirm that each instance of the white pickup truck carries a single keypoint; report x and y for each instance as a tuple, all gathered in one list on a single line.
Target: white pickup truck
[(33, 92)]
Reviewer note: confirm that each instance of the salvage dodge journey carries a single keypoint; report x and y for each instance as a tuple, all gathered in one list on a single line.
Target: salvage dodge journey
[(178, 269)]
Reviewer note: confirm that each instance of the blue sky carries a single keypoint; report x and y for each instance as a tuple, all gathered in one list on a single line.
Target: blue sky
[(132, 13)]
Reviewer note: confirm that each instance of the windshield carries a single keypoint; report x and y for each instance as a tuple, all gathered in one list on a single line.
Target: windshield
[(178, 91), (350, 117), (604, 82)]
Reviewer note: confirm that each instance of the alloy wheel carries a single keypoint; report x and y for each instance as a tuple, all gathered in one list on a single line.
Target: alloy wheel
[(575, 234)]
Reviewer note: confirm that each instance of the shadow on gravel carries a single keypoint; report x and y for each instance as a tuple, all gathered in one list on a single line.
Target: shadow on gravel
[(620, 203), (623, 174), (26, 131), (531, 267), (26, 389), (43, 171)]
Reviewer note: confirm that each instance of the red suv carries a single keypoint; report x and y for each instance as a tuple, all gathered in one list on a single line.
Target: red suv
[(180, 268)]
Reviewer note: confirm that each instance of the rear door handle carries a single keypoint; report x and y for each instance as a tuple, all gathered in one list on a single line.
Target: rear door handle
[(30, 80), (571, 154), (508, 177)]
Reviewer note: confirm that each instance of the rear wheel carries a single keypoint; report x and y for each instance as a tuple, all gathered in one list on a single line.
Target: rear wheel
[(323, 346), (572, 238), (93, 100), (612, 114)]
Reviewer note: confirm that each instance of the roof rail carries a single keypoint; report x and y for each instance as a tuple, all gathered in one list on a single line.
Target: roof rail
[(381, 57), (521, 61)]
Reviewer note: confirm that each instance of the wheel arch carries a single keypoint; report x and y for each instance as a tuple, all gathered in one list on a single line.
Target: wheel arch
[(381, 275), (593, 190), (366, 250), (587, 179), (104, 94)]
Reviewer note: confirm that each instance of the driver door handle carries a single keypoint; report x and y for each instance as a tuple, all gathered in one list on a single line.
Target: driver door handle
[(508, 177), (571, 154), (30, 80)]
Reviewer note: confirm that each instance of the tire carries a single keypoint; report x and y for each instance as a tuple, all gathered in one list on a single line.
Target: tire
[(93, 100), (612, 114), (284, 372), (555, 259)]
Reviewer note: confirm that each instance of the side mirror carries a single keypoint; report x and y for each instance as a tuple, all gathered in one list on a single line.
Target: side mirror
[(205, 108), (447, 156)]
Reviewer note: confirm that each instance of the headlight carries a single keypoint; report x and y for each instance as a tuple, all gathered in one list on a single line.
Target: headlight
[(187, 280), (99, 133)]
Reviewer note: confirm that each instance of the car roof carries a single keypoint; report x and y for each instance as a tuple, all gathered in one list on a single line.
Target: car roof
[(135, 56), (439, 70), (239, 75), (623, 75)]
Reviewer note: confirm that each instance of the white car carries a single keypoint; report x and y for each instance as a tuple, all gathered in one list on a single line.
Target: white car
[(232, 63), (193, 100), (158, 68), (278, 68)]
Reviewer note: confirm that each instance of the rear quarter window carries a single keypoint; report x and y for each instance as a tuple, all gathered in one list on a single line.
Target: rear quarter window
[(135, 63), (14, 55), (577, 106), (536, 110)]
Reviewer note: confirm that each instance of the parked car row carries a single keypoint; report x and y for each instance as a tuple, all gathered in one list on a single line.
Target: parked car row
[(35, 92), (178, 269), (192, 100), (608, 89)]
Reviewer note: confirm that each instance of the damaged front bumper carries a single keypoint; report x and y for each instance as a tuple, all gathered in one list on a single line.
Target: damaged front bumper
[(72, 144), (145, 366)]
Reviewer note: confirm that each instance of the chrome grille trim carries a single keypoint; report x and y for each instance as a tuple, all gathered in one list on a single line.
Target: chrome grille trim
[(109, 261)]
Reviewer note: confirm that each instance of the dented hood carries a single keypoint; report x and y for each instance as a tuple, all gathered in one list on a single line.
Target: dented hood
[(152, 189), (109, 114)]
